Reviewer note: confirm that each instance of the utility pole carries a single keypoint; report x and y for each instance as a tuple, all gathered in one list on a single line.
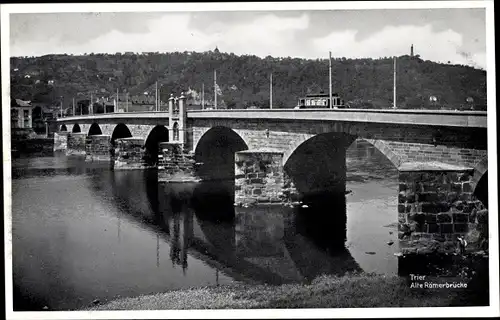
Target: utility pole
[(74, 114), (215, 89), (61, 106), (394, 98), (271, 92), (330, 69), (126, 97), (159, 97), (116, 103), (156, 94), (202, 96)]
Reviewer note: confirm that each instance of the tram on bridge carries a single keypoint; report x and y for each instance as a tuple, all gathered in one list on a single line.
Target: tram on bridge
[(320, 100)]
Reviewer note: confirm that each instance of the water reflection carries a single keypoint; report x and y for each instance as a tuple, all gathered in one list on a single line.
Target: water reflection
[(265, 244), (99, 233)]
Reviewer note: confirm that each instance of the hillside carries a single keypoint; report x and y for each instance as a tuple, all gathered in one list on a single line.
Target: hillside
[(244, 80)]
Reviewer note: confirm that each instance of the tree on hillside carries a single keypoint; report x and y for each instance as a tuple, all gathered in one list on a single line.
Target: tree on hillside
[(363, 82)]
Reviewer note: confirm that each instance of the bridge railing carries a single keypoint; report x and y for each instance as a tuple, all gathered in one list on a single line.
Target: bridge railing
[(345, 110), (165, 114)]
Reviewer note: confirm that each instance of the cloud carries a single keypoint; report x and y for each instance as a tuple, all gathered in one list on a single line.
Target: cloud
[(259, 34), (442, 46), (266, 35)]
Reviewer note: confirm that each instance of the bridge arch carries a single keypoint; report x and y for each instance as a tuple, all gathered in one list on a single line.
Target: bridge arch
[(318, 164), (63, 128), (480, 181), (396, 159), (157, 135), (76, 128), (120, 131), (215, 152), (480, 169), (94, 129)]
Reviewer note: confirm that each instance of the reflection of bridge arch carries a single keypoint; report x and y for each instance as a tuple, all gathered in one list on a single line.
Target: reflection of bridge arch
[(157, 135), (188, 232), (215, 150), (76, 128), (94, 130), (308, 232)]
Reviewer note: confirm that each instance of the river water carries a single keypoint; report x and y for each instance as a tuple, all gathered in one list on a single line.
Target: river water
[(82, 232)]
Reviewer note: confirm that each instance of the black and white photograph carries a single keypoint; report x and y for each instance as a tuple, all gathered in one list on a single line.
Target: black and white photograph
[(249, 160)]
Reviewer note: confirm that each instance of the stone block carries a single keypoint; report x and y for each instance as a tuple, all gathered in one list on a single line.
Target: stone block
[(466, 196), (465, 176), (482, 216), (443, 218), (460, 227), (401, 208), (456, 187), (430, 188), (452, 197), (431, 208), (460, 217), (430, 218), (446, 228), (428, 197), (466, 187)]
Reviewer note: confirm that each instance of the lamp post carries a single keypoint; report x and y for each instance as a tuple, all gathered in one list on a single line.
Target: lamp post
[(159, 97), (61, 106)]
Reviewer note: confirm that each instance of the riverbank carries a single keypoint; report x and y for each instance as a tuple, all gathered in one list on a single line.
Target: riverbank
[(350, 291)]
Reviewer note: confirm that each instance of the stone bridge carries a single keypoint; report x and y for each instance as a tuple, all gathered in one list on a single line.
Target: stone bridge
[(284, 155)]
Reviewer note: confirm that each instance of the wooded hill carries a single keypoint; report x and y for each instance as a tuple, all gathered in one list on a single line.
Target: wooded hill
[(244, 80)]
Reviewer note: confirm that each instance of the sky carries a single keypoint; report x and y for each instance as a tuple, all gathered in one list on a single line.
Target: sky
[(442, 35)]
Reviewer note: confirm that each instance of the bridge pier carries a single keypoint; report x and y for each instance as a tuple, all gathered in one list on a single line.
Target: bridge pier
[(76, 143), (260, 178), (175, 163), (98, 148), (61, 141), (129, 154), (436, 205)]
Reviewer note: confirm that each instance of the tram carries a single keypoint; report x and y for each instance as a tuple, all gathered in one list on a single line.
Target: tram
[(320, 100)]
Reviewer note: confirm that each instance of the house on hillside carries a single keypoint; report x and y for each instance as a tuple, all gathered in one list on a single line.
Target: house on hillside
[(21, 114)]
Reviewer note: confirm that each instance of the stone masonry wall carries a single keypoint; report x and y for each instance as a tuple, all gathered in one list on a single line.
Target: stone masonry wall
[(260, 178), (403, 143), (175, 164), (98, 148), (435, 207), (76, 143), (129, 153), (140, 130)]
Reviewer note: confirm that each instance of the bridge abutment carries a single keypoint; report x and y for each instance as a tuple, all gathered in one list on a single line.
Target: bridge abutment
[(130, 154), (98, 148), (260, 178), (436, 205), (76, 143), (175, 163)]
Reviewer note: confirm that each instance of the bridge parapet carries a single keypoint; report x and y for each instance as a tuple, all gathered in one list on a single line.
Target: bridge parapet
[(476, 119)]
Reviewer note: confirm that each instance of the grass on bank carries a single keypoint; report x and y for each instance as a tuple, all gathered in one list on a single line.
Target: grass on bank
[(352, 291)]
